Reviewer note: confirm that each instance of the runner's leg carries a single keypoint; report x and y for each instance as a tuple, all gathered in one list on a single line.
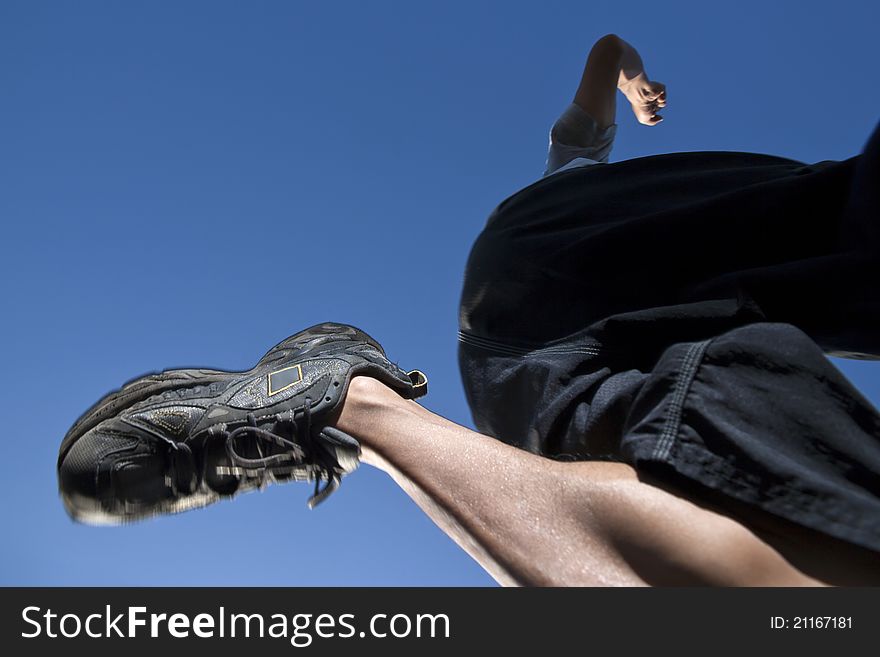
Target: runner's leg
[(530, 520)]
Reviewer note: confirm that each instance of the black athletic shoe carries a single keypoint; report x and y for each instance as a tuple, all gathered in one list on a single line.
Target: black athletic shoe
[(183, 439)]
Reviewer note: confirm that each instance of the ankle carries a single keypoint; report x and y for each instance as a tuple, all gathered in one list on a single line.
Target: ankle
[(366, 402)]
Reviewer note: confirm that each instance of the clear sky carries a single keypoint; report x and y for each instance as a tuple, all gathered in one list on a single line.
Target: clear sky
[(187, 183)]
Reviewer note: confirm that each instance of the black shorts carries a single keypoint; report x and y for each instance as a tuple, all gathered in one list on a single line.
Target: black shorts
[(673, 312)]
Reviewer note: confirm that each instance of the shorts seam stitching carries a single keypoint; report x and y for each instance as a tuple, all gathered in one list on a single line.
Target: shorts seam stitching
[(690, 363)]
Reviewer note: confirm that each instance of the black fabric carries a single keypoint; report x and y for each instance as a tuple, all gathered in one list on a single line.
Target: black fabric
[(672, 312)]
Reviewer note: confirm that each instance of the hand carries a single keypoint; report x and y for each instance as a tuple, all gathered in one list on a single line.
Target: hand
[(646, 98)]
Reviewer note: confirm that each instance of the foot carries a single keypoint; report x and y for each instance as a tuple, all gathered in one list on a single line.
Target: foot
[(646, 97), (182, 439)]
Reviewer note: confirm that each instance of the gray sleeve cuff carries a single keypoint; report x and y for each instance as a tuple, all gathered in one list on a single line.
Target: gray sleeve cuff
[(576, 134)]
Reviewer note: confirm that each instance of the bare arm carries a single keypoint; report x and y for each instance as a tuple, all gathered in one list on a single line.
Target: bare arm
[(614, 64)]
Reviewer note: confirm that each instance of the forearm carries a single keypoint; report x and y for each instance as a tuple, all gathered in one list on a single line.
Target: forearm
[(614, 64), (631, 66)]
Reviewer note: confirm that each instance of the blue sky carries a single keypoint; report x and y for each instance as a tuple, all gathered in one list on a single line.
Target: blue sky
[(187, 183)]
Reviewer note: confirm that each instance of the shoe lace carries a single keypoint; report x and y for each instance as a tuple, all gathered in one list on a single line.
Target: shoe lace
[(291, 441)]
